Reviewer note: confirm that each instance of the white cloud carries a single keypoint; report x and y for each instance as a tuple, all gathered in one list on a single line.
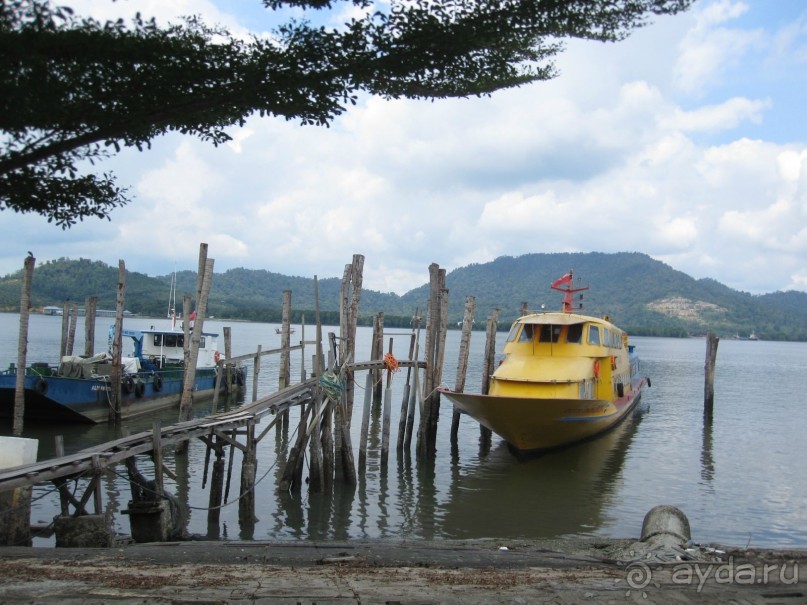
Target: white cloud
[(609, 157), (708, 48)]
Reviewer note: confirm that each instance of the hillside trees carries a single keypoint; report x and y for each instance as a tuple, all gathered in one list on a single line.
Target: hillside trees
[(76, 90)]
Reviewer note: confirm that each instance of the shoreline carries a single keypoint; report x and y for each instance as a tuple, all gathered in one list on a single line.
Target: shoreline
[(463, 572)]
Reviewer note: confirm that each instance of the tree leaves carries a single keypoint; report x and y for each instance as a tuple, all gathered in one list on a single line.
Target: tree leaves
[(76, 90)]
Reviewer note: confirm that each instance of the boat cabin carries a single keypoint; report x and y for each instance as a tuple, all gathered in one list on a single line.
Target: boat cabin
[(167, 347)]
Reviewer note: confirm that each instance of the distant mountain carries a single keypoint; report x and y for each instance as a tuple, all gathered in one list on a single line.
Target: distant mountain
[(642, 295)]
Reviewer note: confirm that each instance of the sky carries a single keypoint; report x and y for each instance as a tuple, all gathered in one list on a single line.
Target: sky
[(686, 142)]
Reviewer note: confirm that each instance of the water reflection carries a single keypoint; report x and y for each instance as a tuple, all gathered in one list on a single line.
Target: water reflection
[(707, 458), (499, 497)]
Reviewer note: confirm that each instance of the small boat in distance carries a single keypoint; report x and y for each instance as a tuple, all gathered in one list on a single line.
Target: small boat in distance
[(79, 389), (565, 377)]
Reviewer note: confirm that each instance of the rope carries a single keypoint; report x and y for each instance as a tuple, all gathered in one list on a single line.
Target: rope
[(391, 363), (332, 384)]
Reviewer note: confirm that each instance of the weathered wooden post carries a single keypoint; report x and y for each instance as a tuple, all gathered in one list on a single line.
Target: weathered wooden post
[(89, 325), (709, 386), (71, 332), (317, 464), (437, 323), (352, 298), (246, 504), (377, 352), (150, 514), (256, 370), (189, 378), (186, 329), (216, 487), (65, 328), (365, 421), (415, 393), (462, 362), (524, 309), (488, 368), (117, 346), (292, 473), (22, 345), (284, 377), (385, 430), (228, 354), (406, 391)]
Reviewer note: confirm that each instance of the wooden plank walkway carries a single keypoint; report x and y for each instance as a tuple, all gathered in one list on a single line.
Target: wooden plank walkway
[(113, 452)]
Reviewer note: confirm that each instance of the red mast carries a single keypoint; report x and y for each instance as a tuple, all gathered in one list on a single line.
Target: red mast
[(566, 280)]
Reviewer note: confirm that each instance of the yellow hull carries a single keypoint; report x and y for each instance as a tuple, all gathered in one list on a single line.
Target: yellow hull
[(529, 424)]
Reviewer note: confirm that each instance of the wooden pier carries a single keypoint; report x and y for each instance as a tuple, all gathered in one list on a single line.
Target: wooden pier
[(325, 404)]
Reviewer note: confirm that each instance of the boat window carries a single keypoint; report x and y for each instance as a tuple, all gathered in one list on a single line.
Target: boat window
[(574, 333), (174, 340), (550, 333), (594, 335), (526, 333), (201, 343), (513, 331), (158, 340)]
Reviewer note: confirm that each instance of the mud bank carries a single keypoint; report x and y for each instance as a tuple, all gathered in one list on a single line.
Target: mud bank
[(556, 571)]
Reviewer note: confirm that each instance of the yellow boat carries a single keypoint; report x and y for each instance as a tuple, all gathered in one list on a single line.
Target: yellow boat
[(565, 377)]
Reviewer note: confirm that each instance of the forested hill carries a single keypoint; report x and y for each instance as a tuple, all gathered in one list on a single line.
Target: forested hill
[(638, 293)]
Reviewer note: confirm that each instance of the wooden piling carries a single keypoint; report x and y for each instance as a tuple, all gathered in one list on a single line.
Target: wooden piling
[(709, 371), (157, 457), (189, 378), (415, 393), (90, 308), (462, 362), (246, 502), (22, 345), (316, 464), (326, 432), (216, 488), (186, 329), (365, 421), (437, 323), (385, 426), (356, 270), (377, 352), (405, 399), (284, 377), (71, 329), (489, 367), (292, 473), (256, 370), (117, 346), (524, 310), (228, 354), (65, 328)]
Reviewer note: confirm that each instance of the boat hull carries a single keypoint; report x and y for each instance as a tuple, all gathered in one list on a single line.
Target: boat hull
[(68, 399), (535, 424)]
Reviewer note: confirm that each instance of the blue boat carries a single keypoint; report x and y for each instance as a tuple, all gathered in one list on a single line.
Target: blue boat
[(79, 389)]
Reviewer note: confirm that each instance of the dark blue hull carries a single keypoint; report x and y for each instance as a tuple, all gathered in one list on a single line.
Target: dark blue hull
[(53, 398)]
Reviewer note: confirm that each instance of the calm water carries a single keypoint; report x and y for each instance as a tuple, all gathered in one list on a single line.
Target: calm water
[(739, 481)]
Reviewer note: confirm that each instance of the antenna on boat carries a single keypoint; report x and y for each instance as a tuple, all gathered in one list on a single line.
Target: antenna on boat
[(565, 285), (172, 300)]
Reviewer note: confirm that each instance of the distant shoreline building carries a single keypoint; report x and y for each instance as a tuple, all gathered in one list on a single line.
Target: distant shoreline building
[(53, 310)]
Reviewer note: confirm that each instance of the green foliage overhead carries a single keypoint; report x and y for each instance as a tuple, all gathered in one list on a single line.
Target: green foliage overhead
[(624, 286), (76, 90)]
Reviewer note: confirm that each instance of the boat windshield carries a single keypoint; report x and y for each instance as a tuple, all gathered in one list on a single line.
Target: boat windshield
[(550, 333), (574, 333), (526, 333)]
